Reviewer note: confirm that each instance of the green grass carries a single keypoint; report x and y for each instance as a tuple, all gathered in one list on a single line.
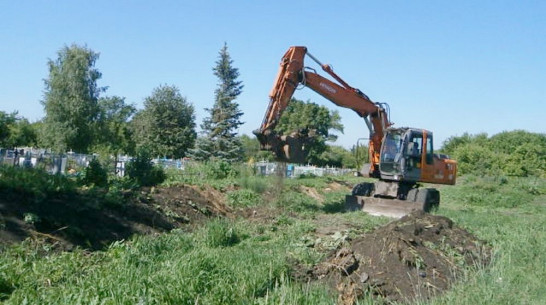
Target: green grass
[(208, 265), (511, 215), (244, 262), (33, 183)]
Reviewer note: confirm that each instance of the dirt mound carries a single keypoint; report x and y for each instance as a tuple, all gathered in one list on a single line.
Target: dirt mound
[(414, 258), (189, 203), (80, 220)]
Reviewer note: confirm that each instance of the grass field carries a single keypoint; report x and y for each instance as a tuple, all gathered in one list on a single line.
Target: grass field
[(244, 261)]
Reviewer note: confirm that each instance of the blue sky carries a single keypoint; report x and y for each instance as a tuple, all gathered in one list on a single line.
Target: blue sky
[(447, 66)]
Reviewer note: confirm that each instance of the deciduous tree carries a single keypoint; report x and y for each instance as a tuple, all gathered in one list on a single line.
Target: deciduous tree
[(166, 125), (16, 131), (6, 121), (306, 115), (115, 136), (71, 100)]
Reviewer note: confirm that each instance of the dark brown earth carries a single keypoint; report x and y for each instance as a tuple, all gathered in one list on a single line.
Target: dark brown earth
[(414, 258), (79, 220)]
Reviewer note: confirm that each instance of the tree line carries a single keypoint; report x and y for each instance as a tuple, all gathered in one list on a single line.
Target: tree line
[(80, 117), (511, 153)]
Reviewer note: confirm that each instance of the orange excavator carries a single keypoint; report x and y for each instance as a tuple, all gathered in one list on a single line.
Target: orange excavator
[(400, 158)]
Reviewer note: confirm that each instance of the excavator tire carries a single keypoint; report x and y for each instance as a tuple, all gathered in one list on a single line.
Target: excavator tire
[(425, 199), (429, 198), (363, 189)]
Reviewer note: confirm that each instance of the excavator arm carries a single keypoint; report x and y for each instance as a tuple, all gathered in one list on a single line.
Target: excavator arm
[(293, 73)]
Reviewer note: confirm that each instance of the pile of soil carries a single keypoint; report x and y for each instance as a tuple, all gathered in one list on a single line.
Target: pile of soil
[(80, 220), (414, 258)]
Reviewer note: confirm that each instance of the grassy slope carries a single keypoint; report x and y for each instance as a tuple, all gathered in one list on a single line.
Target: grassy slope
[(511, 215), (244, 262)]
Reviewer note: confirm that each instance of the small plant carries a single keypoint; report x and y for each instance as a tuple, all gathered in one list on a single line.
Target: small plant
[(220, 233), (31, 218), (142, 171), (219, 169), (243, 198), (95, 174)]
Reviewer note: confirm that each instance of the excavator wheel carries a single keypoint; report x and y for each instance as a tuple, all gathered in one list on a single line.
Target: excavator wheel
[(425, 199), (429, 198), (363, 189)]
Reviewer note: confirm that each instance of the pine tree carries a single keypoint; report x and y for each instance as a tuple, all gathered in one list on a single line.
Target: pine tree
[(219, 139)]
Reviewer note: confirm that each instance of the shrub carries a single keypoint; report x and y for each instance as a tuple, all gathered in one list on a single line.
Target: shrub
[(219, 169), (243, 198), (95, 174), (36, 183), (142, 171), (513, 153)]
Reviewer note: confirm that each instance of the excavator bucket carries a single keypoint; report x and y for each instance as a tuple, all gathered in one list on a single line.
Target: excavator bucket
[(293, 148), (426, 199)]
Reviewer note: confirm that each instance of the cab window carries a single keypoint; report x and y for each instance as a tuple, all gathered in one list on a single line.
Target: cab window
[(430, 155)]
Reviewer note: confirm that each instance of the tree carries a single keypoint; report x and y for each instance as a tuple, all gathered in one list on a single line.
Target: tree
[(16, 131), (71, 100), (23, 133), (251, 149), (513, 153), (166, 125), (451, 144), (115, 135), (361, 155), (219, 139), (300, 115), (6, 121), (337, 156)]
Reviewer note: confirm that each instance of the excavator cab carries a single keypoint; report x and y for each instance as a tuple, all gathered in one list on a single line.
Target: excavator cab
[(407, 156), (402, 154), (406, 159)]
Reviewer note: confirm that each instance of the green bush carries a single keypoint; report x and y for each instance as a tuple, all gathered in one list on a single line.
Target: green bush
[(219, 169), (512, 153), (243, 198), (37, 183), (143, 172), (95, 174)]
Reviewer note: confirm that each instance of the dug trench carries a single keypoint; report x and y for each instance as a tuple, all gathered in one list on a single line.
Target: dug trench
[(81, 220), (416, 257)]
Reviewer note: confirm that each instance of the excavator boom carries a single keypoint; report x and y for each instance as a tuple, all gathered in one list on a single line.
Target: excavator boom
[(399, 157), (292, 73)]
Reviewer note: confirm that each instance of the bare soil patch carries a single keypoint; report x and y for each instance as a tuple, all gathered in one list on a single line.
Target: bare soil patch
[(80, 220), (414, 258)]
